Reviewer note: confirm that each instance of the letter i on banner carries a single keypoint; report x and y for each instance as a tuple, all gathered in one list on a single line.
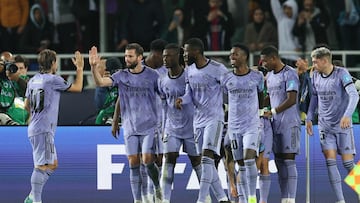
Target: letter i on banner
[(353, 179)]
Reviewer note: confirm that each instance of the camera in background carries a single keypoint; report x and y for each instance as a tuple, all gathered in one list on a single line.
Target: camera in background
[(11, 67)]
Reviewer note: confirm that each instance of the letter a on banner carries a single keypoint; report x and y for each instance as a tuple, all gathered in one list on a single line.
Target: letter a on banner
[(353, 179)]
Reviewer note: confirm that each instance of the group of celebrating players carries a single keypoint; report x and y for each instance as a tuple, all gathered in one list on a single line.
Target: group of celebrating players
[(180, 103)]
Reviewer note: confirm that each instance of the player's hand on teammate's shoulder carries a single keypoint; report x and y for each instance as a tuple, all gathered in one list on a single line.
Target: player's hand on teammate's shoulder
[(78, 61)]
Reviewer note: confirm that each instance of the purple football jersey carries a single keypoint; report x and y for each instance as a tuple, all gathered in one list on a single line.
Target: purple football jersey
[(178, 122), (43, 91), (243, 99), (205, 91), (162, 71), (137, 92), (333, 100), (278, 85)]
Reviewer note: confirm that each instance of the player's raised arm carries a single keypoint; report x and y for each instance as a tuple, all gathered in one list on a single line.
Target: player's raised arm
[(78, 61), (94, 61)]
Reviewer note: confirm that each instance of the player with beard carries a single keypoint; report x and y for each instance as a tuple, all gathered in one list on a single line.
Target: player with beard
[(203, 89), (138, 91)]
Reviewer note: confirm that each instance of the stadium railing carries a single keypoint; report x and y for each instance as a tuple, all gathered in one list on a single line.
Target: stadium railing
[(340, 55)]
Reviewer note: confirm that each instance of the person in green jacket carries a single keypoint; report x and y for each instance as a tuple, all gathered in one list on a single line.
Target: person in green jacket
[(8, 91), (18, 80), (105, 97)]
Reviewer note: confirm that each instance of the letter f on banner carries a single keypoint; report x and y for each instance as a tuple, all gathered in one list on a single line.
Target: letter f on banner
[(105, 167)]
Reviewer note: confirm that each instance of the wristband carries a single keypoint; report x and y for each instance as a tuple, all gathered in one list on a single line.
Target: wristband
[(261, 112), (273, 111)]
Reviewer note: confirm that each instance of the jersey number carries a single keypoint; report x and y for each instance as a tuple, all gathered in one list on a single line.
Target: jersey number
[(37, 100)]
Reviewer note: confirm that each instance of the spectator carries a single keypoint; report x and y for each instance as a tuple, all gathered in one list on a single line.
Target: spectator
[(38, 32), (87, 15), (285, 16), (6, 56), (13, 18), (260, 33), (195, 14), (178, 30), (142, 22), (7, 95), (23, 65), (112, 20), (253, 5), (171, 6), (311, 25), (65, 32), (305, 91), (17, 74), (65, 28), (105, 97), (349, 21), (220, 27), (18, 82), (106, 67), (334, 8)]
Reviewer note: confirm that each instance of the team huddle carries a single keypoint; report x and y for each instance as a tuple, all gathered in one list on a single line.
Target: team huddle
[(182, 102)]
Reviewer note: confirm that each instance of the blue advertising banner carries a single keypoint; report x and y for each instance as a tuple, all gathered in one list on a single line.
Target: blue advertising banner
[(93, 168)]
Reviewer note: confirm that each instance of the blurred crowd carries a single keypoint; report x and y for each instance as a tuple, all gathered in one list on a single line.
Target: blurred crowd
[(29, 26)]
